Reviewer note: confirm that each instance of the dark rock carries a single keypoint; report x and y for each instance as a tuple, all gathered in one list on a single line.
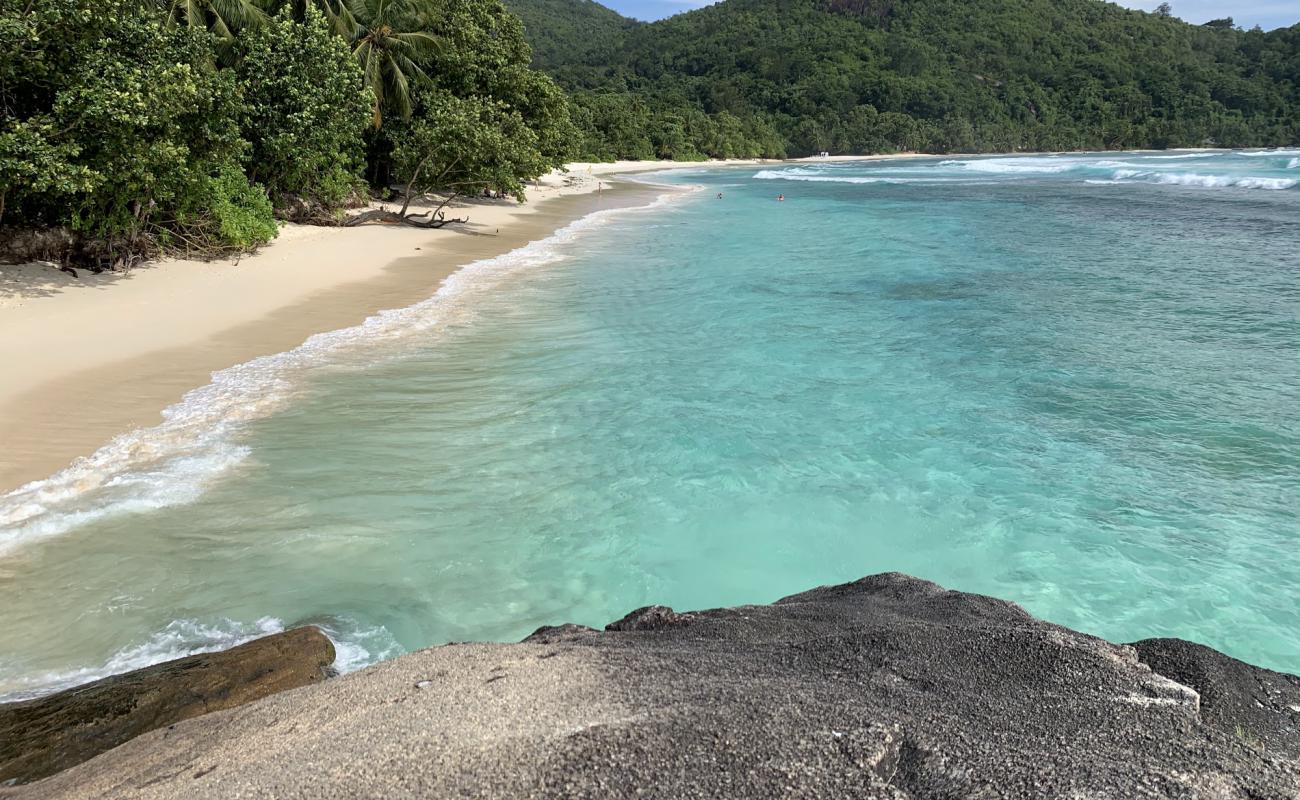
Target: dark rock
[(1258, 706), (649, 618), (548, 634), (43, 736)]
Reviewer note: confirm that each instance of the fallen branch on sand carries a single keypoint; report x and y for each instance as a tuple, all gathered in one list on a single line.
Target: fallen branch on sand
[(433, 218)]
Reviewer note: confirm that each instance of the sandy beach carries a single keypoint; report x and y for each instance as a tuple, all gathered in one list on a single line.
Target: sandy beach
[(90, 357)]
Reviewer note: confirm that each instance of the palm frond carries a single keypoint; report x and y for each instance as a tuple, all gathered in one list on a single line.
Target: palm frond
[(401, 94), (419, 40)]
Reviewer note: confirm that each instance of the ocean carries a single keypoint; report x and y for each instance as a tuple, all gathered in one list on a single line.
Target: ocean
[(1070, 381)]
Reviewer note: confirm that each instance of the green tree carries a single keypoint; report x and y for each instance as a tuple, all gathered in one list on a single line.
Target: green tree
[(124, 138), (465, 145), (305, 110), (223, 17), (389, 44)]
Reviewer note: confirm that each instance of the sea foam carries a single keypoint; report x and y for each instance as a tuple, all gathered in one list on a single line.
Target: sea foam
[(1020, 165), (1269, 153), (1203, 181), (198, 441)]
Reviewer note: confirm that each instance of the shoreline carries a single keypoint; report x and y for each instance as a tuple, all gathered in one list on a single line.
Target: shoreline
[(80, 371), (578, 708), (117, 349)]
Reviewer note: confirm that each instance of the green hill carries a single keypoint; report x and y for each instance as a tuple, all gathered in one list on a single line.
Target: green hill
[(749, 77), (568, 31)]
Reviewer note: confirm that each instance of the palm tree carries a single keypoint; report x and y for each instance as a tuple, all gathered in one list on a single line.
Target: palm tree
[(222, 17), (385, 46)]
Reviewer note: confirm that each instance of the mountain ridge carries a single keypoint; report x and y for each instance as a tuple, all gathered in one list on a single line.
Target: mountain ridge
[(778, 77)]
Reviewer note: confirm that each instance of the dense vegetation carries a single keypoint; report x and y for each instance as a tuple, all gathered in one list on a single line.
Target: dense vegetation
[(571, 31), (774, 77), (133, 126)]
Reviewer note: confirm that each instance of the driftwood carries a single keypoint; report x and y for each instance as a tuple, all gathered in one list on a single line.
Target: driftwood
[(433, 218)]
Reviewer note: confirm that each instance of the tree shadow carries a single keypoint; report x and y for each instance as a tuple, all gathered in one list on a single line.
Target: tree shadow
[(45, 279)]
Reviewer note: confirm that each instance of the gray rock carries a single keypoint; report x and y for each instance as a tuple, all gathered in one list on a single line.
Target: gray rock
[(889, 687)]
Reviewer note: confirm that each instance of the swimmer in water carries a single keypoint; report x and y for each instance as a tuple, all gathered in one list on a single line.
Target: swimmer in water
[(719, 195), (780, 198)]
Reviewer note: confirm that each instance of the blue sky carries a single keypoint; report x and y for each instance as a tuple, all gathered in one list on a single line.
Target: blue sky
[(1268, 14)]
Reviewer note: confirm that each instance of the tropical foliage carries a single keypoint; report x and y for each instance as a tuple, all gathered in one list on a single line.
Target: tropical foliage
[(122, 153), (389, 46), (134, 126), (302, 114)]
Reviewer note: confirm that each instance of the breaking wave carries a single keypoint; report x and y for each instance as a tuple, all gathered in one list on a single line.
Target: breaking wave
[(1269, 153), (1203, 181), (1138, 168), (807, 176), (1181, 156), (1015, 166)]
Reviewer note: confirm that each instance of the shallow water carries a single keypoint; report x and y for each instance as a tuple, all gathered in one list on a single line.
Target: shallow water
[(1068, 381)]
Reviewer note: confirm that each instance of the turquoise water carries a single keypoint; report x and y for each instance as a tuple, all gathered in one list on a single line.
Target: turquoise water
[(1073, 382)]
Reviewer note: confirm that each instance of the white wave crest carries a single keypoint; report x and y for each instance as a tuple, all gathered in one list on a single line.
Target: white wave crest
[(1203, 181), (1047, 165), (198, 441), (1181, 156), (787, 174), (770, 175), (1269, 153), (183, 637), (1293, 164)]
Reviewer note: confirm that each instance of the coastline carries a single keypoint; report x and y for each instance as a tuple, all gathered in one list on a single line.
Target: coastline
[(116, 349), (92, 357), (762, 698)]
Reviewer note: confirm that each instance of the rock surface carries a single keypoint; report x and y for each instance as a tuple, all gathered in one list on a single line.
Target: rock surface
[(889, 687), (43, 736), (1259, 706)]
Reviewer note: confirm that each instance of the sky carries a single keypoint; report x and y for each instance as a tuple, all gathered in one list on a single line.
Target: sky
[(1268, 14)]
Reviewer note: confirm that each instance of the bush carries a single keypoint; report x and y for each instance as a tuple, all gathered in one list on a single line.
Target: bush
[(118, 130), (235, 213), (305, 110)]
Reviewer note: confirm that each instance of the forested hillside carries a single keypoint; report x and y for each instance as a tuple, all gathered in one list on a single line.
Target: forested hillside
[(572, 31), (771, 77)]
